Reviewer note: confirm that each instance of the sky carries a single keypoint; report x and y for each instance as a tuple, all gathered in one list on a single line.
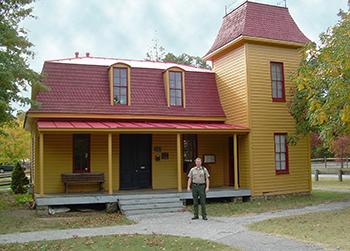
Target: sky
[(126, 29)]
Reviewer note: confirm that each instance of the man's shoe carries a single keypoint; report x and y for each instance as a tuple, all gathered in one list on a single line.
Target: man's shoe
[(195, 218), (205, 218)]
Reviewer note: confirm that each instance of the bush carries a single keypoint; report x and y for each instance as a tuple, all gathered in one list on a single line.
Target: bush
[(19, 183)]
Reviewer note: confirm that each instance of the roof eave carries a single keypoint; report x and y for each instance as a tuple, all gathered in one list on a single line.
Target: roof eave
[(243, 38)]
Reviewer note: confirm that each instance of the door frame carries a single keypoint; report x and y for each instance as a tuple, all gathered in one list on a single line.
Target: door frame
[(89, 153), (150, 160)]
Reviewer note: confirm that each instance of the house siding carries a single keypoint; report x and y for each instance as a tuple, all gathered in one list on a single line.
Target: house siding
[(269, 117), (231, 78), (58, 159)]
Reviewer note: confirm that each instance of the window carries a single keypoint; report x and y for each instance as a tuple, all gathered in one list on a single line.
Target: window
[(277, 80), (120, 85), (189, 150), (81, 153), (175, 79), (281, 153)]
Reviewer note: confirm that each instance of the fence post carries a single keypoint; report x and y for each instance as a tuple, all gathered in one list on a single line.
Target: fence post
[(325, 162), (340, 175), (316, 174), (347, 162)]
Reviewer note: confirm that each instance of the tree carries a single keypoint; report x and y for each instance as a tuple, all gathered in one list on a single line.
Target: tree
[(19, 180), (15, 74), (157, 54), (321, 100), (318, 150), (341, 148), (186, 60), (15, 141)]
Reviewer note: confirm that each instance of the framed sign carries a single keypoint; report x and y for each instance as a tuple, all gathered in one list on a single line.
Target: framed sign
[(209, 158)]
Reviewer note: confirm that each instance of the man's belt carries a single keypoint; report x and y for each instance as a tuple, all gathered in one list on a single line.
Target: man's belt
[(198, 184)]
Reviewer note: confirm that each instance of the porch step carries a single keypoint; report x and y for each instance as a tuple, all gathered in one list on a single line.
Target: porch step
[(150, 204)]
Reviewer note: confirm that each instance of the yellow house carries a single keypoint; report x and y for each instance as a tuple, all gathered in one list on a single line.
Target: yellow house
[(127, 126)]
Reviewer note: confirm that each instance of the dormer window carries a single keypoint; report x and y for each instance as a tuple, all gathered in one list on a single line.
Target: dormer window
[(175, 79), (120, 85), (174, 84)]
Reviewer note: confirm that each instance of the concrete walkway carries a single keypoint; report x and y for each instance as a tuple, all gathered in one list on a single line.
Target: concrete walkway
[(227, 230)]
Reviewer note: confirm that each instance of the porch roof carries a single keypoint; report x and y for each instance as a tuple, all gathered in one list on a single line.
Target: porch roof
[(48, 125)]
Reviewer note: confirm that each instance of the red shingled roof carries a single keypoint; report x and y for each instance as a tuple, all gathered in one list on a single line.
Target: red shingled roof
[(258, 20), (78, 88), (86, 124)]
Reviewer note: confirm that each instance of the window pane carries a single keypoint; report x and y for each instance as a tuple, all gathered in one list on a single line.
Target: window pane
[(172, 84), (123, 100), (123, 91), (277, 156), (172, 76), (274, 89), (279, 89), (273, 71), (172, 100), (179, 101), (283, 165), (278, 165), (116, 74), (283, 156), (277, 139), (283, 147), (178, 93), (283, 139)]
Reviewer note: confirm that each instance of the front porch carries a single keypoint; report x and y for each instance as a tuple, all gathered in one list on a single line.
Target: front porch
[(135, 161), (103, 198)]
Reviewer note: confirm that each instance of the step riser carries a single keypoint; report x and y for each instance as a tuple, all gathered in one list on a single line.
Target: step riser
[(153, 211), (153, 201), (148, 196), (151, 206)]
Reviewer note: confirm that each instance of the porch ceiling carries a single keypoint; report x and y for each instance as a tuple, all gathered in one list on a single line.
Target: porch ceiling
[(52, 125)]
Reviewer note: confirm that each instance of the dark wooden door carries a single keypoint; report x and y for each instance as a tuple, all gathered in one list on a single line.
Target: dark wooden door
[(135, 161), (81, 153)]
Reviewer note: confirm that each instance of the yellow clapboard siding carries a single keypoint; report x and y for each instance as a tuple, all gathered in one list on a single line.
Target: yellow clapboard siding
[(58, 159), (218, 145), (230, 72), (164, 173), (268, 117), (231, 78)]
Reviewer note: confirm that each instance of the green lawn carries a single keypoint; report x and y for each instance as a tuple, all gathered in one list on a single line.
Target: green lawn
[(122, 242), (331, 183), (15, 216), (330, 229), (273, 204)]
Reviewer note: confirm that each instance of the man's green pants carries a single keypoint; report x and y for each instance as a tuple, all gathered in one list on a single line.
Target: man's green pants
[(198, 191)]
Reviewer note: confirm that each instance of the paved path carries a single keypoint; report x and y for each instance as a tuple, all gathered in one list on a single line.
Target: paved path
[(227, 230), (332, 189)]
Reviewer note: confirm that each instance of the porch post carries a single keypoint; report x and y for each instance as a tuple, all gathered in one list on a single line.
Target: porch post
[(179, 173), (110, 179), (41, 162), (235, 163)]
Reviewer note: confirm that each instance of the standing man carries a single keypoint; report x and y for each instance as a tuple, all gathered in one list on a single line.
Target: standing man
[(199, 178)]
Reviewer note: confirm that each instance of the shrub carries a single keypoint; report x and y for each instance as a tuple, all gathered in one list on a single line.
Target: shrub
[(19, 180)]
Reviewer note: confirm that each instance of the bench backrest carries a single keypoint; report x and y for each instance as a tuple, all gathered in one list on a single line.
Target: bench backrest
[(83, 177)]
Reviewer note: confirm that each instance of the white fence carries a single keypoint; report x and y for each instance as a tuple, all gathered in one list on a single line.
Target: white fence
[(330, 162)]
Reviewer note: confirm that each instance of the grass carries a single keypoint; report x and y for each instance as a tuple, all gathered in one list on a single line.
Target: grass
[(330, 229), (122, 242), (274, 204), (15, 216), (331, 183)]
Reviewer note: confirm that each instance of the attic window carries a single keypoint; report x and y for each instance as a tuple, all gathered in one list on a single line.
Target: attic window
[(120, 85), (175, 79)]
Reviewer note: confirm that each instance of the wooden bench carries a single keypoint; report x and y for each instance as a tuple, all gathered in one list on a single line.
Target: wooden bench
[(337, 171), (83, 178)]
